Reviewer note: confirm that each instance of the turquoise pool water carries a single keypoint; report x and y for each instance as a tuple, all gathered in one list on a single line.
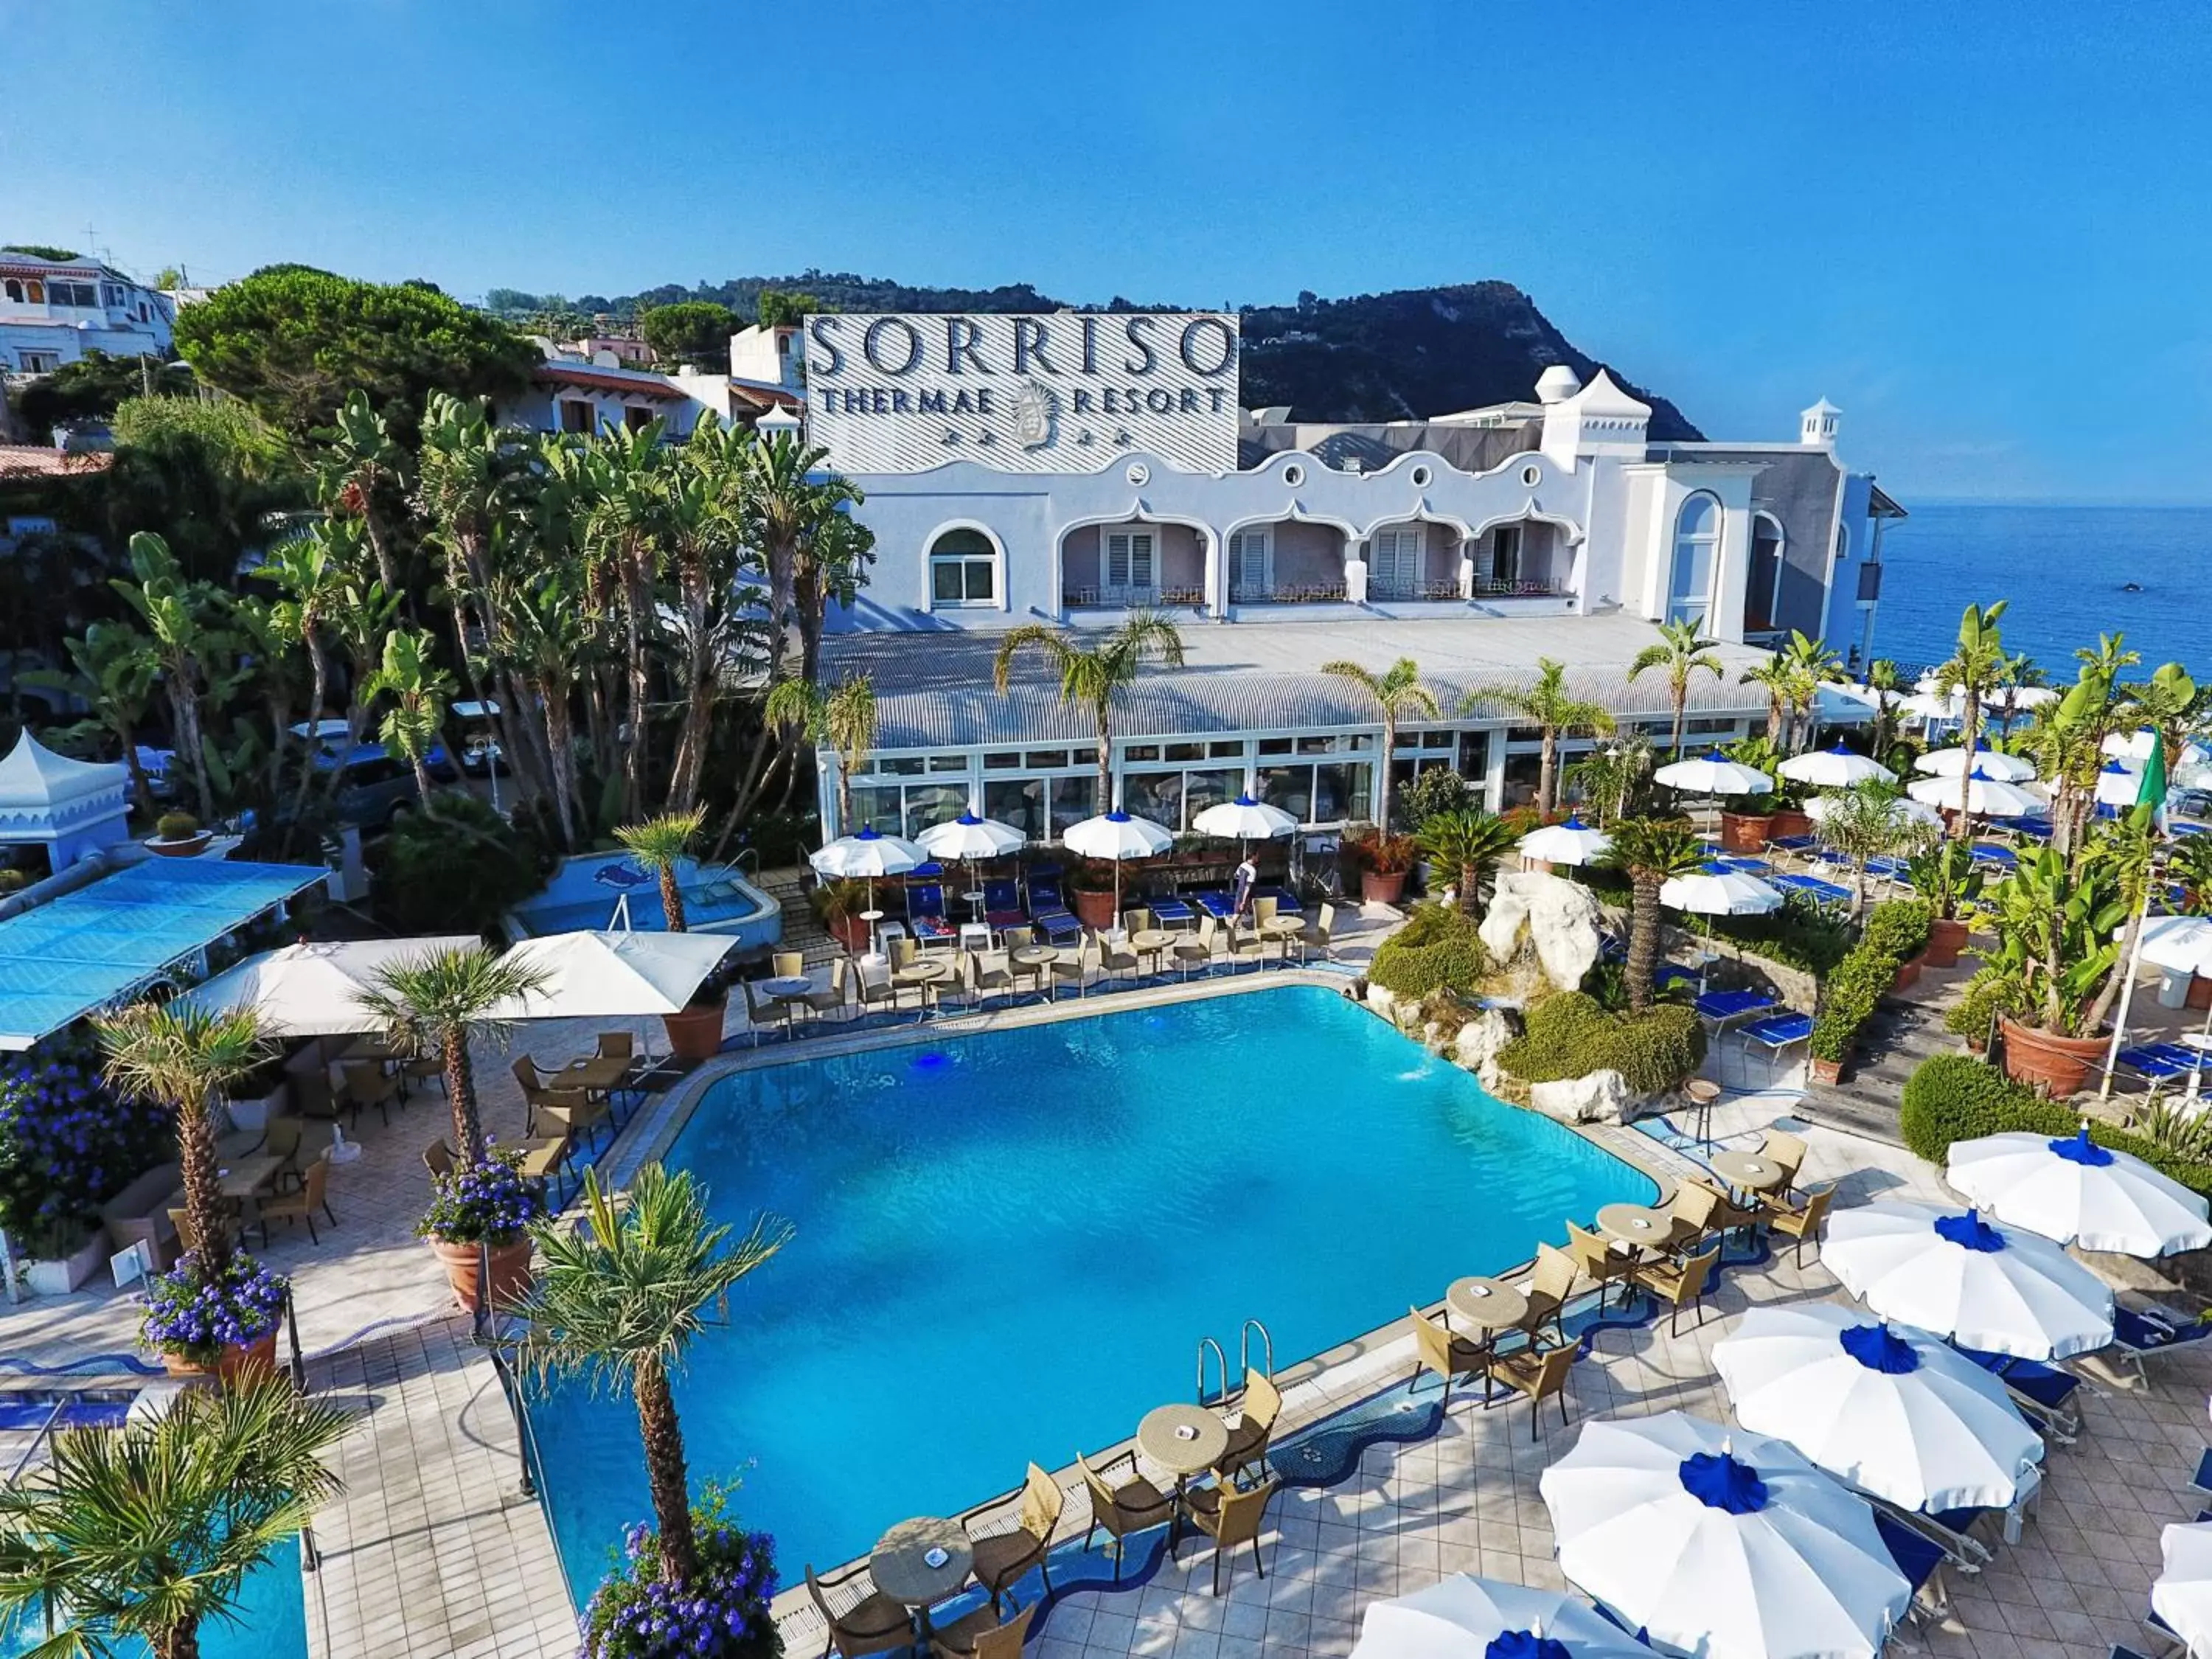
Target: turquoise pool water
[(1009, 1245), (271, 1623)]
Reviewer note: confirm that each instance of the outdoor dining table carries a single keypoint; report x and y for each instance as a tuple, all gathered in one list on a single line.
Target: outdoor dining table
[(245, 1177), (1184, 1440), (921, 1562), (784, 989), (1283, 930), (1748, 1172), (923, 978), (593, 1072), (1638, 1226), (1035, 958), (1150, 942), (1488, 1304)]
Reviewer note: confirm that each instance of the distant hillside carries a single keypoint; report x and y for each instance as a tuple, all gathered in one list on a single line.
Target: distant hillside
[(1373, 357)]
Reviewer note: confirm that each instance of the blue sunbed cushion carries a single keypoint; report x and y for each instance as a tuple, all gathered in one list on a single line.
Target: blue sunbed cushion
[(1171, 909), (1730, 1005), (2142, 1331), (1779, 1030), (1826, 891), (2202, 1482), (1672, 973), (1917, 1555), (2154, 1062), (1793, 843), (1215, 903), (1286, 901), (2046, 1385)]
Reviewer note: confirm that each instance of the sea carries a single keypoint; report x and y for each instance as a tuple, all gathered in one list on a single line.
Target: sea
[(2069, 574)]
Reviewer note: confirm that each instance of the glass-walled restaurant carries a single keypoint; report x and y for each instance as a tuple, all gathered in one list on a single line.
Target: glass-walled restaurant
[(1323, 779)]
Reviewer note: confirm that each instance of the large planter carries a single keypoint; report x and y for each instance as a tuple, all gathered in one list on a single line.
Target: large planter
[(1786, 823), (1746, 832), (2059, 1064), (1381, 886), (60, 1275), (2200, 992), (509, 1276), (851, 931), (1946, 937), (235, 1364), (189, 847), (696, 1033), (1908, 975), (1827, 1071), (1093, 910)]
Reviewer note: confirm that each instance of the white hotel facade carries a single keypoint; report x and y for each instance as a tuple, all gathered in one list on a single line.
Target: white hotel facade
[(1070, 469)]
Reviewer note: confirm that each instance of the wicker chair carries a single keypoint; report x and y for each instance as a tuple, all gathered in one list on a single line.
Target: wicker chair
[(983, 1635), (300, 1205), (1136, 1505), (1231, 1517), (1262, 1404), (1548, 1290), (1779, 1146), (1003, 1559), (983, 979), (1677, 1282), (1537, 1373), (1074, 967), (1196, 951), (1799, 1221), (872, 1623), (1320, 931), (1595, 1260), (1435, 1349)]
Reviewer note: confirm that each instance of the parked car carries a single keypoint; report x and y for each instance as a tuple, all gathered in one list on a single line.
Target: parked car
[(374, 787)]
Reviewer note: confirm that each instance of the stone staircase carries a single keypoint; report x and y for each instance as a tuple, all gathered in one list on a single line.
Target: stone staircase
[(801, 932), (1904, 1031)]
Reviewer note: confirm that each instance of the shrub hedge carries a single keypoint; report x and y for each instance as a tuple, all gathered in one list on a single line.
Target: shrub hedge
[(1848, 996), (1569, 1034), (1958, 1097), (1800, 935), (1436, 950), (1987, 994)]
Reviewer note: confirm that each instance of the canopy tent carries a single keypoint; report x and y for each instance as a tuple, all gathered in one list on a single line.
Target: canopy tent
[(71, 807), (613, 976), (314, 990), (91, 948)]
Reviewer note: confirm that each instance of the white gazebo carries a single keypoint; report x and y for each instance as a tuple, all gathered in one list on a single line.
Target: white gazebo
[(72, 807)]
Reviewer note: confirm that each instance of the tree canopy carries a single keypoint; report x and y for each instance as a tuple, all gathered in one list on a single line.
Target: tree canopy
[(696, 331), (90, 388), (293, 341), (786, 308)]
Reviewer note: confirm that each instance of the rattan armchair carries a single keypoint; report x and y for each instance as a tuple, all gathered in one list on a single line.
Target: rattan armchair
[(1539, 1374), (1435, 1349), (1257, 1413), (1799, 1221), (1003, 1559), (1595, 1260), (872, 1623), (1134, 1506), (1231, 1516), (1678, 1282)]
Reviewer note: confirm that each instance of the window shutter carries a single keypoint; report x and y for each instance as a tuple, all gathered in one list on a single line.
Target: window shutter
[(1117, 561), (1140, 561)]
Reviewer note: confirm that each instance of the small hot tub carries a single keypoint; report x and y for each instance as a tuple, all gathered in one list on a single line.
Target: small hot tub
[(608, 890)]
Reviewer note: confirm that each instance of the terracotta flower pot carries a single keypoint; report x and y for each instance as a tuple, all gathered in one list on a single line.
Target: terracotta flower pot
[(696, 1033), (189, 847), (1381, 886), (1827, 1071), (510, 1271), (1095, 910), (233, 1364), (2200, 992), (1787, 822), (2036, 1057), (1946, 938), (1908, 975), (850, 932), (1745, 832)]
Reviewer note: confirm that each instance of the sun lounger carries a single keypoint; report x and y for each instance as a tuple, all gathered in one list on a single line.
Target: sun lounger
[(1886, 867), (2042, 1392), (924, 913), (1669, 975), (1002, 904), (2160, 1060), (1215, 902), (1822, 892), (1721, 1006), (1917, 1555), (1985, 852), (1793, 843), (1286, 901), (2202, 1479), (1057, 926), (1777, 1031), (1171, 912), (2136, 1335), (1743, 866)]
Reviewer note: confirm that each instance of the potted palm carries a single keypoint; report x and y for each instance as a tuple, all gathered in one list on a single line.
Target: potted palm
[(837, 904), (1945, 874), (2055, 927), (1383, 861), (478, 1225), (130, 1539), (1748, 825), (435, 1003), (618, 1302), (659, 844), (178, 836), (217, 1311)]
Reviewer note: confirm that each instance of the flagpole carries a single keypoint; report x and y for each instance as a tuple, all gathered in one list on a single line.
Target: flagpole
[(2150, 792)]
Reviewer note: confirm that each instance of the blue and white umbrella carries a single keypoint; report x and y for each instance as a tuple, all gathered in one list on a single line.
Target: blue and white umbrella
[(1987, 797), (1117, 836), (1713, 773), (1889, 1409), (1244, 819), (866, 855), (2182, 1593), (1729, 1546), (1834, 769), (2073, 1191), (1571, 841), (1715, 891), (2002, 1290), (1988, 762), (2119, 783), (1463, 1617), (967, 838)]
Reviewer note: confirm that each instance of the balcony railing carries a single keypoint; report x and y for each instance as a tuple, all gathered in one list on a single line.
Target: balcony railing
[(1287, 594), (1133, 597), (1519, 587)]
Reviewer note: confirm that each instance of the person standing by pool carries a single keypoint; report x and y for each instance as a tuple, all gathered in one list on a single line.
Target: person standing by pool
[(1240, 895)]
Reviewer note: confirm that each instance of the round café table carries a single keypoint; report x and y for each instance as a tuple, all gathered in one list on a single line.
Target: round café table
[(923, 978), (784, 989), (1488, 1304), (1152, 942), (921, 1562), (1035, 958), (1750, 1172), (1184, 1440), (1636, 1225), (1283, 930)]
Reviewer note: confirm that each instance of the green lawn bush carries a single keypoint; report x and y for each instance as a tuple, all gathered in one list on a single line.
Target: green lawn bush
[(1800, 935), (1958, 1097), (1436, 950), (1570, 1035), (1848, 996)]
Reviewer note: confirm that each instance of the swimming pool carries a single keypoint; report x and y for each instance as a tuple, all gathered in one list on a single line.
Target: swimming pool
[(588, 892), (272, 1621), (1010, 1243)]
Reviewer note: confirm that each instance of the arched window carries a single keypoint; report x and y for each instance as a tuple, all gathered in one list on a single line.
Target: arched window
[(963, 569), (1697, 550), (14, 290), (1762, 588)]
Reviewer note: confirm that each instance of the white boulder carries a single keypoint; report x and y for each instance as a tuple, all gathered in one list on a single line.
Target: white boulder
[(1560, 918), (1600, 1097), (1478, 1042)]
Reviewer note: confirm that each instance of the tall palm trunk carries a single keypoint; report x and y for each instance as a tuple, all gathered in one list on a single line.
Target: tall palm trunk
[(690, 763), (185, 705), (671, 899), (180, 1641), (318, 669), (1970, 731), (665, 1471), (1470, 885), (1382, 773), (1681, 689), (561, 743), (1546, 772), (637, 603), (198, 1162), (461, 1090), (1643, 938), (1105, 761)]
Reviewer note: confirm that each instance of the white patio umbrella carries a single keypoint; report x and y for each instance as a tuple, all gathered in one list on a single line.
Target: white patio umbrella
[(1713, 773), (1902, 812), (1463, 1617), (2182, 944), (967, 838), (1570, 841), (1243, 820), (2118, 784), (1999, 1289), (2076, 1192), (1729, 1546), (1889, 1409), (2182, 1593), (2134, 746), (865, 856), (1715, 891), (1986, 797), (1987, 762), (1117, 836), (613, 976), (1934, 706), (314, 990), (1834, 769)]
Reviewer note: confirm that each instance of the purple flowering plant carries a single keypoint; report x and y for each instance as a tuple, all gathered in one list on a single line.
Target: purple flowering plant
[(722, 1613), (195, 1315), (68, 1143), (484, 1201)]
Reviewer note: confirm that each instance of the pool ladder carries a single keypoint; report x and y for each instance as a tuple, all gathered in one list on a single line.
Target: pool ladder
[(1206, 1344)]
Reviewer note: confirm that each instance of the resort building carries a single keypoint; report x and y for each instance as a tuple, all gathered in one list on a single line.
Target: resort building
[(1072, 470), (577, 390), (54, 311)]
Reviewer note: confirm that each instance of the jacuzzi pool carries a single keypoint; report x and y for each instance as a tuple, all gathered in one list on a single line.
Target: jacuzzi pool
[(589, 891)]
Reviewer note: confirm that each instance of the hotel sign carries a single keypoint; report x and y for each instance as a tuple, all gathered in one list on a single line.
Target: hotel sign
[(1062, 392)]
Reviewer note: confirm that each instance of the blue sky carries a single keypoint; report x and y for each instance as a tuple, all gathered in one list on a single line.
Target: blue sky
[(1984, 230)]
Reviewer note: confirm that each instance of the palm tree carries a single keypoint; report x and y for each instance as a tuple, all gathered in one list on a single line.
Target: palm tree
[(362, 463), (142, 1533), (657, 844), (1472, 841), (785, 500), (186, 1057), (2020, 672), (1610, 776), (1772, 676), (179, 615), (1975, 670), (1096, 675), (313, 569), (1394, 692), (1546, 705), (434, 1003), (842, 715), (1682, 652), (1807, 665), (1863, 822), (1888, 688), (419, 690), (619, 1299), (1651, 852)]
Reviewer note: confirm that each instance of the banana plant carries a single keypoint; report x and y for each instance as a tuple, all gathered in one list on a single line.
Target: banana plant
[(2055, 926)]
